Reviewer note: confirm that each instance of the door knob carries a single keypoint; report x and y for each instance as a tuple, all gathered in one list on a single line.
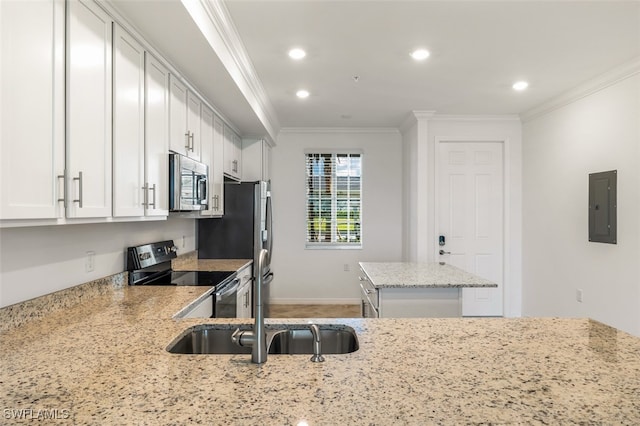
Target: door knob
[(442, 252)]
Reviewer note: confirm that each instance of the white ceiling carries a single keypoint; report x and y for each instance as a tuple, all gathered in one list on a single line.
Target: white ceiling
[(478, 50)]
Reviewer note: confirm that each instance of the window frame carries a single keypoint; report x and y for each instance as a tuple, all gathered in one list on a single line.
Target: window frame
[(332, 245)]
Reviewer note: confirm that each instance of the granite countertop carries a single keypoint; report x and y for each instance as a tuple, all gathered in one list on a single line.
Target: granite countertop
[(427, 275), (104, 362), (190, 262)]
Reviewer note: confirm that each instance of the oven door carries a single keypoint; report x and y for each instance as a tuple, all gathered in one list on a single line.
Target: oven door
[(225, 300)]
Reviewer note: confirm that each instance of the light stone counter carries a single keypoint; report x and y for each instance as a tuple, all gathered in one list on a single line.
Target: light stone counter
[(103, 362), (190, 262), (427, 275)]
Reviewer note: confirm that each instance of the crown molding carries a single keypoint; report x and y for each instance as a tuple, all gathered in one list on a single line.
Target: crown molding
[(469, 117), (232, 53), (379, 130), (414, 117), (595, 85)]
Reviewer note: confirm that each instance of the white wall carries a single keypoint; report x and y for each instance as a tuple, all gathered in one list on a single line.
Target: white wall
[(318, 276), (595, 133), (419, 136), (39, 260)]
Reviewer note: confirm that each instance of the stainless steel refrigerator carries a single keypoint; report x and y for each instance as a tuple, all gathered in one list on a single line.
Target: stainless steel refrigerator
[(243, 231)]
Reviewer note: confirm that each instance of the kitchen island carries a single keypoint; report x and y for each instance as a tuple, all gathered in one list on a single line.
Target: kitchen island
[(415, 290), (104, 361)]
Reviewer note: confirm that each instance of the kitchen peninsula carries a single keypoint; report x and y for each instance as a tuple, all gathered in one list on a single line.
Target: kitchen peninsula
[(414, 290), (104, 361)]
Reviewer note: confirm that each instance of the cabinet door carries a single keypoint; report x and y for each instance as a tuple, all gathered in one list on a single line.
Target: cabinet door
[(89, 57), (31, 109), (232, 147), (156, 147), (128, 125), (193, 125), (237, 146), (178, 136), (256, 159), (216, 173), (245, 301), (206, 141)]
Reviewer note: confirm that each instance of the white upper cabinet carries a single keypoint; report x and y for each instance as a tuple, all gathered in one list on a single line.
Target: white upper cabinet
[(89, 113), (31, 109), (232, 154), (206, 141), (156, 138), (128, 125), (212, 155), (178, 137), (184, 120), (193, 125), (256, 160)]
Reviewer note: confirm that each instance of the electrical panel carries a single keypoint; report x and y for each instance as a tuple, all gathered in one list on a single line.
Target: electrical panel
[(603, 207)]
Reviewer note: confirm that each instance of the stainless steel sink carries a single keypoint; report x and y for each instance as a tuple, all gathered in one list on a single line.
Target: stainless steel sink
[(281, 339)]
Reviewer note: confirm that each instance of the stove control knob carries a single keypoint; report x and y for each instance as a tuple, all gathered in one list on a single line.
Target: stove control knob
[(174, 249)]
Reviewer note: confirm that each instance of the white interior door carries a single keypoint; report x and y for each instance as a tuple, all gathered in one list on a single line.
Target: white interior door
[(470, 216)]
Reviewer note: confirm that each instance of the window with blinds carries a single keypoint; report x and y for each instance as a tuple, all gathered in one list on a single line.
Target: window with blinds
[(334, 206)]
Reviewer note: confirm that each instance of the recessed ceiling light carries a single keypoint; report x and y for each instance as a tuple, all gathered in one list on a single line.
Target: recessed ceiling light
[(520, 85), (302, 94), (297, 53), (420, 54)]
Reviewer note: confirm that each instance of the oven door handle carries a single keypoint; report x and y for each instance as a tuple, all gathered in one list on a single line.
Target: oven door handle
[(228, 289)]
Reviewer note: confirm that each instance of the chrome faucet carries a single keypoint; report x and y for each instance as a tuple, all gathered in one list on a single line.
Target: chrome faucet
[(317, 353), (256, 338)]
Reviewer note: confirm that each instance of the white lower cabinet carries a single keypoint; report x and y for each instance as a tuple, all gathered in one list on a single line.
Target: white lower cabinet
[(32, 109), (89, 110), (245, 293), (420, 302)]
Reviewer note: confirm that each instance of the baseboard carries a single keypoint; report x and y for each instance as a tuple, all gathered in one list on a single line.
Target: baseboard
[(305, 301)]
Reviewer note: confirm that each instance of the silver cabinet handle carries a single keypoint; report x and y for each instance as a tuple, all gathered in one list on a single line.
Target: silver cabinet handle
[(216, 204), (62, 199), (153, 204), (235, 166), (191, 144), (145, 200), (186, 140), (79, 179)]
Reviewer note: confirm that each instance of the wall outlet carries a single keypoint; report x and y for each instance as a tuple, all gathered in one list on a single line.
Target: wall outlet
[(579, 295), (346, 267), (90, 261)]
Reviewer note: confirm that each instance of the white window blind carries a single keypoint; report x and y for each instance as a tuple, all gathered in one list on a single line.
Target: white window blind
[(334, 206)]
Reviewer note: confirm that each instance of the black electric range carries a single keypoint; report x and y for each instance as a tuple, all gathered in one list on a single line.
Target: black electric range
[(150, 264)]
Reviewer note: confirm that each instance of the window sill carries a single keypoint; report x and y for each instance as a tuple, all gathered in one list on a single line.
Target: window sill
[(333, 246)]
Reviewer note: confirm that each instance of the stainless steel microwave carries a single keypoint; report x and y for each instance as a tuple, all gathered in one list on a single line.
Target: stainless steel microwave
[(187, 184)]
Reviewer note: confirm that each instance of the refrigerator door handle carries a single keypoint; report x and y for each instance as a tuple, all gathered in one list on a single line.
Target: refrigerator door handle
[(269, 226)]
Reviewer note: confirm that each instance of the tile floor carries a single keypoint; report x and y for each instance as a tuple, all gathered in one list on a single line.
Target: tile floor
[(315, 311)]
